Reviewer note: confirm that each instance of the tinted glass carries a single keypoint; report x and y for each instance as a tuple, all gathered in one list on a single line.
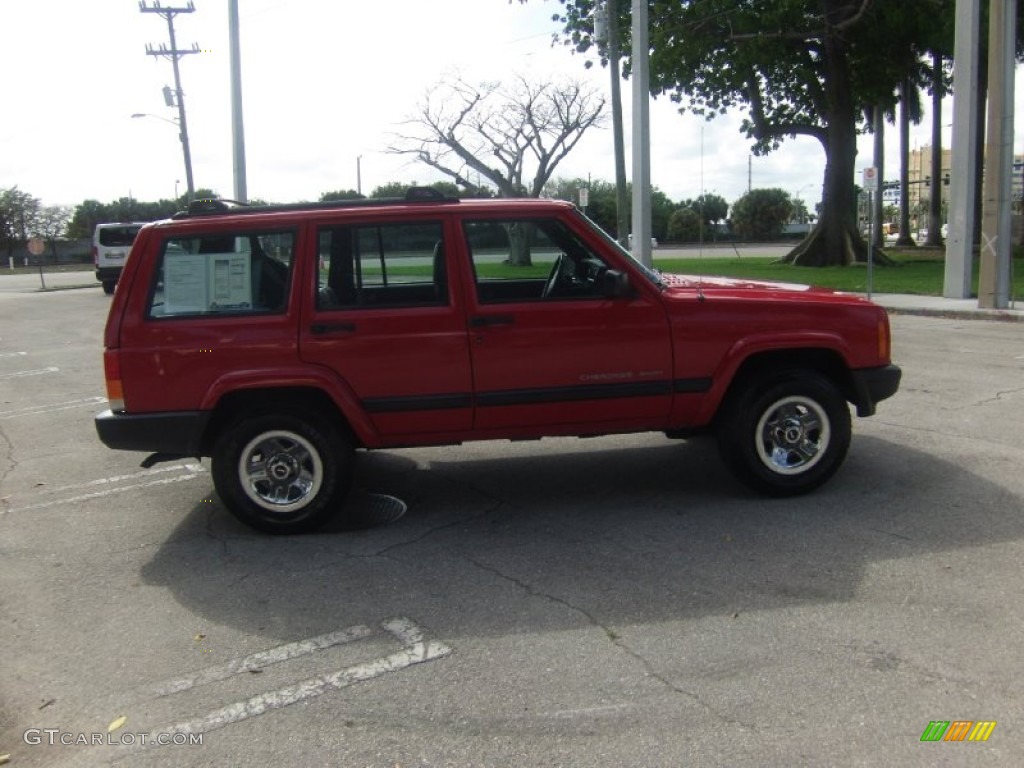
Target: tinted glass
[(115, 237)]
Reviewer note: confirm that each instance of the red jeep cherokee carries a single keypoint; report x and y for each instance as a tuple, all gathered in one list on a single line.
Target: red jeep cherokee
[(279, 339)]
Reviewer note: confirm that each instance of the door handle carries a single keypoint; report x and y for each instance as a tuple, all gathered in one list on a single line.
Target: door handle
[(490, 320), (318, 329)]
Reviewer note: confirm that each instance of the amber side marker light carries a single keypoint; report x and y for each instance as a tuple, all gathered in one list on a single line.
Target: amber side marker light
[(884, 338)]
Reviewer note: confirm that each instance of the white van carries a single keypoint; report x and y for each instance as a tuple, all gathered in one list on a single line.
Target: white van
[(110, 246)]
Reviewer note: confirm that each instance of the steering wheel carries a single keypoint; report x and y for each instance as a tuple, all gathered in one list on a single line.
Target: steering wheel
[(554, 283)]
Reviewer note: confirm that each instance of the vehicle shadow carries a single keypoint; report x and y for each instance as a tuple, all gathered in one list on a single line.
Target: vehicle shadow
[(504, 539)]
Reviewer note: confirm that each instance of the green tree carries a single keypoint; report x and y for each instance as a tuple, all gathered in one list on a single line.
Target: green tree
[(796, 67), (18, 211), (398, 189), (341, 194), (761, 214), (711, 208), (85, 217), (51, 224), (601, 205), (684, 225), (600, 202)]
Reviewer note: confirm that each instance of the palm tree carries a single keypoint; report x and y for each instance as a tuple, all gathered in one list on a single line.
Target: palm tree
[(910, 112)]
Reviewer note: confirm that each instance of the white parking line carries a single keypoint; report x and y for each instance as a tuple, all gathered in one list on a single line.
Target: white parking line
[(415, 650), (13, 354), (100, 494), (31, 372), (34, 410), (262, 659), (190, 467)]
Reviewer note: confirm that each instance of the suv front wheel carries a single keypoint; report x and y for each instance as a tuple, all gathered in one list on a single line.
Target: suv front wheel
[(786, 433), (282, 473)]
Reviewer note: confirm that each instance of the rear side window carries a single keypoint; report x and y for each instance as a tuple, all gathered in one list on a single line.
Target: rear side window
[(118, 237), (223, 274), (382, 265)]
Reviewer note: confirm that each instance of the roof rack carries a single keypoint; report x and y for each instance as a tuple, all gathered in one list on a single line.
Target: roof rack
[(221, 206)]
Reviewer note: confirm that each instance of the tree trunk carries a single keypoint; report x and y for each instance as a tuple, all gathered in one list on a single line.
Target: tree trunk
[(905, 240), (878, 206), (935, 208), (981, 119), (519, 245), (835, 239)]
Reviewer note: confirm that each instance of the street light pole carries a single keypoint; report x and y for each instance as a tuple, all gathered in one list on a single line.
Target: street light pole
[(237, 128)]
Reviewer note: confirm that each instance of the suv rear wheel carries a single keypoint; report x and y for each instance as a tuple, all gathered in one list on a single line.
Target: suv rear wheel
[(786, 433), (282, 472)]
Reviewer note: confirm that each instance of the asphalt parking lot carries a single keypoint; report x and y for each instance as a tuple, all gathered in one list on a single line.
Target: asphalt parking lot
[(607, 602)]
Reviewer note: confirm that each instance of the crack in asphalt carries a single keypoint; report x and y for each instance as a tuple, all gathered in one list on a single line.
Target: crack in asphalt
[(999, 396), (616, 640), (9, 465), (492, 504)]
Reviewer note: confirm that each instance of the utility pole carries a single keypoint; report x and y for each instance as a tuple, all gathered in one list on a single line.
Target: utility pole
[(173, 53)]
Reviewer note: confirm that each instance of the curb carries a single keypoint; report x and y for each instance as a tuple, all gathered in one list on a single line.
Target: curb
[(65, 288), (998, 315)]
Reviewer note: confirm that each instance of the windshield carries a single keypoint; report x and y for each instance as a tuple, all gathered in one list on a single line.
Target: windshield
[(651, 274)]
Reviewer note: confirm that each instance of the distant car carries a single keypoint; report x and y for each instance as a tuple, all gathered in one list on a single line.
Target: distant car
[(654, 241), (110, 246)]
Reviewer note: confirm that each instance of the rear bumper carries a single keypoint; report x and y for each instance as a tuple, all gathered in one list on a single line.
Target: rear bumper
[(872, 385), (108, 273), (178, 432)]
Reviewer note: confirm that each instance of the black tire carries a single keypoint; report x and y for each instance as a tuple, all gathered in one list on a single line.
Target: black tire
[(109, 286), (283, 473), (785, 433)]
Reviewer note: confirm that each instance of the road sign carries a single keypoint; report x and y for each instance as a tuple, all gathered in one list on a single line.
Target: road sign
[(870, 180), (36, 246)]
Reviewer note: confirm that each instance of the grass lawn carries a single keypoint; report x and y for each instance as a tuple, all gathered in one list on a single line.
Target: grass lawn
[(915, 272)]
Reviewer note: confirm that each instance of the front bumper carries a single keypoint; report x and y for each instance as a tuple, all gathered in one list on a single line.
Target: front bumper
[(872, 385), (179, 432)]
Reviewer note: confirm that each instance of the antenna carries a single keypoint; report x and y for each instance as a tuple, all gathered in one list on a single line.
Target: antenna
[(700, 222)]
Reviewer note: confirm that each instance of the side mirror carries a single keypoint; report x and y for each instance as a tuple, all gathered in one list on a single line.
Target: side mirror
[(615, 284)]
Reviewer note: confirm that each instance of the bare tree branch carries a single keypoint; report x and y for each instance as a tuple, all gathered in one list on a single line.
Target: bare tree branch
[(500, 133)]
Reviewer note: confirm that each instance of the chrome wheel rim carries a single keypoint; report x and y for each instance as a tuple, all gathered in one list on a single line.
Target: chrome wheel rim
[(280, 471), (793, 435)]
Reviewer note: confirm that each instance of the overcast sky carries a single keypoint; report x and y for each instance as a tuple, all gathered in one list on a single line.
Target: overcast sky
[(324, 82)]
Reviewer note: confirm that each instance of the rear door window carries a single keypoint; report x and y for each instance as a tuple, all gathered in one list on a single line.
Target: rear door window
[(221, 274), (382, 265), (118, 237)]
